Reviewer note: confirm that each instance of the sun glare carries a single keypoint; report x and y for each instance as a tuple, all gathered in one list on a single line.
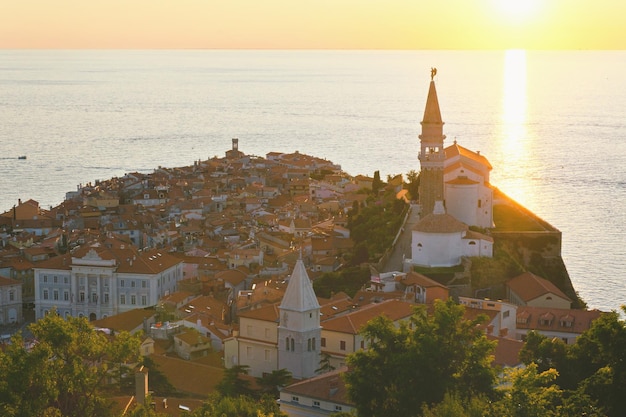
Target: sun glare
[(517, 10)]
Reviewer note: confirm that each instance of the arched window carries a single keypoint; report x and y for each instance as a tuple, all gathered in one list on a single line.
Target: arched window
[(293, 345), (287, 344)]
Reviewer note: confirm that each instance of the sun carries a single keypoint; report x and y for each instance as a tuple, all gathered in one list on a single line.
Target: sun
[(517, 10)]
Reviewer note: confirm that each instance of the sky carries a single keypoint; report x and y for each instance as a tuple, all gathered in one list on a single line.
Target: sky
[(319, 24)]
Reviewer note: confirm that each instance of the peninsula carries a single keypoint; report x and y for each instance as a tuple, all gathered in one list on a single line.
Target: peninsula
[(229, 257)]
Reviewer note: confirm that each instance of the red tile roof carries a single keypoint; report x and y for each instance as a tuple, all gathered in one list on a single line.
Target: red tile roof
[(529, 286)]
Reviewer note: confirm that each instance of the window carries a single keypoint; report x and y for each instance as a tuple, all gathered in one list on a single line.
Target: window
[(132, 284), (249, 352), (133, 299), (82, 297), (55, 279), (313, 343), (308, 342), (506, 314), (55, 295), (342, 345), (144, 284), (316, 404), (122, 299), (362, 344), (267, 355), (144, 300), (293, 345), (45, 294), (66, 296), (287, 344), (11, 296), (338, 408), (94, 297), (122, 283), (66, 280), (323, 342), (106, 298), (45, 278), (295, 399)]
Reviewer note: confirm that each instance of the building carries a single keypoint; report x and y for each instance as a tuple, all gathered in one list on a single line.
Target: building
[(455, 175), (10, 301), (319, 396), (531, 290), (564, 324), (285, 336), (441, 240), (104, 278), (431, 155)]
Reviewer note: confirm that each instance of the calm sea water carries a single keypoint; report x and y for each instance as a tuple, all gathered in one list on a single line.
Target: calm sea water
[(552, 124)]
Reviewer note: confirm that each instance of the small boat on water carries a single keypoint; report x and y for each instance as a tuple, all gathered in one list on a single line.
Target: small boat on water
[(21, 157)]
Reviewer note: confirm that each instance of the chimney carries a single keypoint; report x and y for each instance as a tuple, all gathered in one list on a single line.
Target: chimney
[(141, 385)]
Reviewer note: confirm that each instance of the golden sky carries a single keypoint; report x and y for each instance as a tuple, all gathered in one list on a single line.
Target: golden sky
[(319, 24)]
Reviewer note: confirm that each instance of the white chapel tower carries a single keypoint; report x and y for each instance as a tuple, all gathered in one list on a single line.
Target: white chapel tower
[(299, 330), (432, 155)]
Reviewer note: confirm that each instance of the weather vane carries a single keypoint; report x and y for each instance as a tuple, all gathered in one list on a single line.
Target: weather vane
[(433, 72)]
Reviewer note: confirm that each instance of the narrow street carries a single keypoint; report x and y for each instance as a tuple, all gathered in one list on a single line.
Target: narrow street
[(402, 249)]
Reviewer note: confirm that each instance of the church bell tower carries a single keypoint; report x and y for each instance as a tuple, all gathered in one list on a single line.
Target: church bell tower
[(299, 330), (431, 154)]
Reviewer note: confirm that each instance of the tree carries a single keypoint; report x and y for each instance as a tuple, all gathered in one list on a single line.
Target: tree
[(233, 385), (271, 383), (63, 372), (592, 370), (239, 406), (416, 363), (532, 393), (413, 184), (325, 365), (377, 184)]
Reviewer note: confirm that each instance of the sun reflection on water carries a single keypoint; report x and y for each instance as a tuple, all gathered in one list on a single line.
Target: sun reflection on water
[(513, 144)]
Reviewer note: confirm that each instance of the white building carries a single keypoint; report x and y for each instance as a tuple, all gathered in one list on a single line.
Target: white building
[(10, 301), (467, 193), (104, 278), (440, 240)]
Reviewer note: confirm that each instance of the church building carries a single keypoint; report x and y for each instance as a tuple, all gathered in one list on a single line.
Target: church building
[(285, 336), (454, 194)]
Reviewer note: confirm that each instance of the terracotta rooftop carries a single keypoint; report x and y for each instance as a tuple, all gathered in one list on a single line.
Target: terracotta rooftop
[(440, 223), (327, 387), (126, 321), (529, 286), (555, 319), (351, 323), (455, 149)]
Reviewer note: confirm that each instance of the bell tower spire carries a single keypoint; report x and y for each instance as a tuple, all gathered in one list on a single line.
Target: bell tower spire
[(299, 330), (431, 154)]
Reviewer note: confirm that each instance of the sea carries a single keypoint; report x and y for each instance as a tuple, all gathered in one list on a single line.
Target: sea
[(551, 123)]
